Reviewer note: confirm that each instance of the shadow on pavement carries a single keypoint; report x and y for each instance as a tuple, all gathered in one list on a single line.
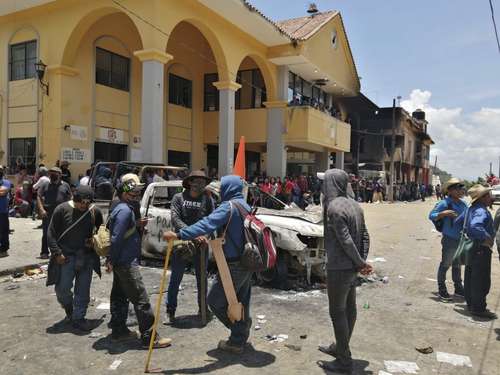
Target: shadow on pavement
[(251, 358), (187, 322), (64, 326), (113, 348), (359, 368)]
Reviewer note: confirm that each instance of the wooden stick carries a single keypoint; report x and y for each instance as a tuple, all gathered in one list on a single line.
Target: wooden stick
[(158, 305), (235, 309), (203, 285)]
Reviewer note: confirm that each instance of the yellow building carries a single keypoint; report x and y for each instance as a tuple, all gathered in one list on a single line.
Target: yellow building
[(176, 82)]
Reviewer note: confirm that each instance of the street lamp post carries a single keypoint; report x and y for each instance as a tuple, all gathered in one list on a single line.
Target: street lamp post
[(393, 151)]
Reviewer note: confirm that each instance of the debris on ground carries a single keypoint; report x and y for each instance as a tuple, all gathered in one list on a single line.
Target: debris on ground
[(276, 338), (402, 367), (429, 279), (116, 363), (12, 287), (385, 279), (425, 350), (382, 372), (103, 306), (292, 295), (33, 271), (296, 348), (257, 328), (454, 359), (377, 260), (366, 306), (425, 258), (401, 277), (303, 337), (261, 317), (95, 335)]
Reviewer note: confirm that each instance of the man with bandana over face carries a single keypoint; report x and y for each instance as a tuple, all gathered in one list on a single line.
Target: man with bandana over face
[(188, 208), (49, 197)]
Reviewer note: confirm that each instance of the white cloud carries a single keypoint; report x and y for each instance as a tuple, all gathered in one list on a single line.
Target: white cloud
[(465, 142)]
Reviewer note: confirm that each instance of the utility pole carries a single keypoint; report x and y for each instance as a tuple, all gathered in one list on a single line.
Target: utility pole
[(393, 151), (491, 168), (498, 167)]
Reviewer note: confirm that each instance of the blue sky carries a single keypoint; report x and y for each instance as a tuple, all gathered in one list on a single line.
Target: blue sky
[(437, 54)]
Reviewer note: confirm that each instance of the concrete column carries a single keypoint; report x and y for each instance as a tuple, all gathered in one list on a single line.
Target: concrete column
[(152, 104), (339, 160), (276, 115), (323, 161), (227, 90), (276, 152)]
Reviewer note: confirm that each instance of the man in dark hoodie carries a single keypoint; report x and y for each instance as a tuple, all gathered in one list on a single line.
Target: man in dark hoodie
[(347, 244), (227, 215)]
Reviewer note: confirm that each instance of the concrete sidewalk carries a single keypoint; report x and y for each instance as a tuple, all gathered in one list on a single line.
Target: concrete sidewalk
[(24, 247)]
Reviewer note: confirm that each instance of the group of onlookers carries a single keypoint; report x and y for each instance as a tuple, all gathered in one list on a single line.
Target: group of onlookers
[(376, 190)]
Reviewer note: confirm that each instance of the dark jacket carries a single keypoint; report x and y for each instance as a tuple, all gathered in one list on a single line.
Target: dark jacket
[(187, 211), (231, 190), (125, 250), (73, 243), (346, 238)]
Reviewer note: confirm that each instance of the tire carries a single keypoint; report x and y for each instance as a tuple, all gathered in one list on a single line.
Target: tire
[(277, 276)]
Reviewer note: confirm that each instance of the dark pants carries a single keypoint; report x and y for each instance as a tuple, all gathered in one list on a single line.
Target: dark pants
[(128, 287), (242, 280), (478, 279), (45, 229), (342, 303), (4, 232), (449, 249), (178, 266)]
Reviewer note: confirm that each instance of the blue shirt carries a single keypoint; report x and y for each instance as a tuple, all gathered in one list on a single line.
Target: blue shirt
[(4, 201), (451, 227), (479, 223), (124, 250)]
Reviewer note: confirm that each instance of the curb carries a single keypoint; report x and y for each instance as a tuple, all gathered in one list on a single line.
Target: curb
[(12, 270)]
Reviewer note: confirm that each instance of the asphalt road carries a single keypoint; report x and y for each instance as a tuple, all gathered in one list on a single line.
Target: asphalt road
[(393, 319)]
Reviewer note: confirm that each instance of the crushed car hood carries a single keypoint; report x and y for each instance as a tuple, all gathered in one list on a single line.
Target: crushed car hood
[(312, 215), (287, 223)]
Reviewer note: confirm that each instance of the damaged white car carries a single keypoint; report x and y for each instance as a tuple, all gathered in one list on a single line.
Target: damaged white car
[(298, 233)]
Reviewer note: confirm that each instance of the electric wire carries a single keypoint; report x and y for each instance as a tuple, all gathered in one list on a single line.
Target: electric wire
[(494, 24)]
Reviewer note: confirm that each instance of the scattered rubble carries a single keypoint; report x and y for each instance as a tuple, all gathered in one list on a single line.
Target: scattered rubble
[(402, 367), (377, 260), (454, 359), (116, 363), (425, 350)]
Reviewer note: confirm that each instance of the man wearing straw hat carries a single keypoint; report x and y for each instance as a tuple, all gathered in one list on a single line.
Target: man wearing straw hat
[(443, 216), (479, 227)]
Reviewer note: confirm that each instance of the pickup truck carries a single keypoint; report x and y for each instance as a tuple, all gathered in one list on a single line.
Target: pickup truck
[(298, 233)]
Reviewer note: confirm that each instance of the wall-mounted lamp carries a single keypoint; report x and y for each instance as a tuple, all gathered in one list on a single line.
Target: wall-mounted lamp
[(40, 68)]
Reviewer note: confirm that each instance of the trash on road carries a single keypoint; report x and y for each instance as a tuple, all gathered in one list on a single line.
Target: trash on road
[(257, 328), (377, 260), (12, 287), (296, 348), (294, 296), (401, 277), (385, 279), (303, 337), (116, 363), (425, 258), (103, 306), (261, 321), (382, 372), (425, 350), (33, 271), (402, 367), (366, 306), (429, 279), (454, 359), (261, 317), (95, 335)]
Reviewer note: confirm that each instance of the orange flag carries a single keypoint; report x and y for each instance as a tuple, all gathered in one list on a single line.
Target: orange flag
[(239, 166)]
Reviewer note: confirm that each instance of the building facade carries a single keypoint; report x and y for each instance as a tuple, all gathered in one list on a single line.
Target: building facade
[(372, 138), (174, 82)]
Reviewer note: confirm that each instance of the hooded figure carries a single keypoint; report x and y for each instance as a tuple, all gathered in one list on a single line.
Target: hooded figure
[(347, 244), (227, 218)]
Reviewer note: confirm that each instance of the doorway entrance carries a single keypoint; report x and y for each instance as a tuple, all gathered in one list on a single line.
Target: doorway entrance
[(109, 152)]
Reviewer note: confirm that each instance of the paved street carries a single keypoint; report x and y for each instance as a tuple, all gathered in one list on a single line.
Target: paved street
[(393, 318)]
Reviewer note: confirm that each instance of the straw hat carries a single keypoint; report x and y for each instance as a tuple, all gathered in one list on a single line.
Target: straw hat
[(477, 192), (452, 182)]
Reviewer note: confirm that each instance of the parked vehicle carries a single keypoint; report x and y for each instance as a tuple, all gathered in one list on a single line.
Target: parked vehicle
[(496, 194), (298, 233)]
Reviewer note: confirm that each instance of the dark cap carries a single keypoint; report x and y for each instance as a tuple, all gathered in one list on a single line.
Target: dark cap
[(83, 192)]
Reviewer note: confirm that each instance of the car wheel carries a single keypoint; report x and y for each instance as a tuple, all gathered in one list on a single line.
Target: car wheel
[(278, 275)]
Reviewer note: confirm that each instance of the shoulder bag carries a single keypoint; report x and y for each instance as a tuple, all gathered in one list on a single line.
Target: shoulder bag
[(465, 246)]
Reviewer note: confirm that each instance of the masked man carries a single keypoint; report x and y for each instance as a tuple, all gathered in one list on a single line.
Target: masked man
[(347, 244), (73, 259), (124, 257), (49, 197), (5, 191), (188, 208)]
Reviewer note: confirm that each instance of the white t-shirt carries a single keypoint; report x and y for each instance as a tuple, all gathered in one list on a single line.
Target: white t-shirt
[(42, 180), (85, 180)]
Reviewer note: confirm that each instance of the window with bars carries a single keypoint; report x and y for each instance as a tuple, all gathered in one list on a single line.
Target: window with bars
[(22, 60), (180, 91), (22, 151), (112, 70), (211, 94)]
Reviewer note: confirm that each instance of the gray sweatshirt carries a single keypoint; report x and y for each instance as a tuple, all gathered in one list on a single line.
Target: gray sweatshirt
[(346, 238)]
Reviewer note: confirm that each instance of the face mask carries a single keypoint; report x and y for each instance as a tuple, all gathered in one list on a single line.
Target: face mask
[(54, 178), (197, 187)]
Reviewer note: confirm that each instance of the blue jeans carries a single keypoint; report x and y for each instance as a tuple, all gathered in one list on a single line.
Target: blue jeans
[(449, 248), (81, 274), (242, 280), (178, 266)]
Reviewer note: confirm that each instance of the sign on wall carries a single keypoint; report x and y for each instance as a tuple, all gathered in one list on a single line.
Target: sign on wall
[(78, 133), (75, 155), (136, 140), (111, 135)]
